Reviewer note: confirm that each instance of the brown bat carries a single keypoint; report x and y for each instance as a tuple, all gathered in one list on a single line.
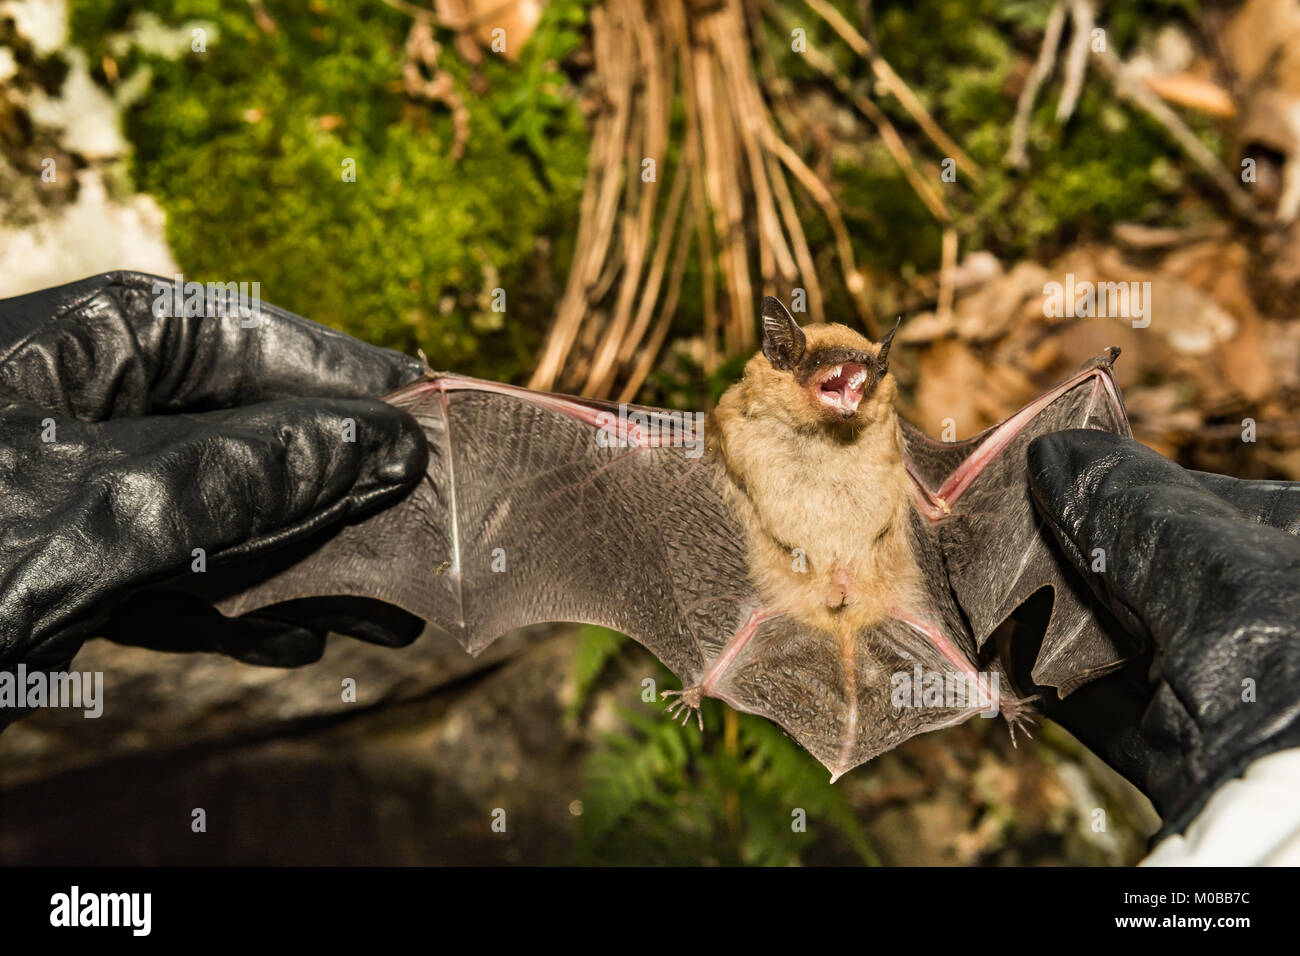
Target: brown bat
[(804, 554)]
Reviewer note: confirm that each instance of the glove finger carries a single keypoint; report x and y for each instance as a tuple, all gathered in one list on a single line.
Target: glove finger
[(363, 618), (1273, 503), (285, 635), (1178, 559), (99, 348), (135, 504), (167, 621), (314, 462)]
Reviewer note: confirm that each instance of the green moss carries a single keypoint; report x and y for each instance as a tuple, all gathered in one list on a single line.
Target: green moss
[(1109, 163), (245, 146)]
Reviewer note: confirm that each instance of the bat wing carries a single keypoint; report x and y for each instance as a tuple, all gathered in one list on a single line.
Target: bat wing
[(530, 516), (997, 552), (542, 508)]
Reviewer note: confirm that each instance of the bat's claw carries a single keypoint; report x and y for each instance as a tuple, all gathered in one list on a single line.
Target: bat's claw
[(688, 699), (1019, 715)]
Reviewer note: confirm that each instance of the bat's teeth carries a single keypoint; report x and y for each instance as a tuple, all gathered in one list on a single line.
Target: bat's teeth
[(839, 370)]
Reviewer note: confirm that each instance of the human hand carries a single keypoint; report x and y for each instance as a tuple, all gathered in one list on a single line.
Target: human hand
[(132, 444), (1206, 570)]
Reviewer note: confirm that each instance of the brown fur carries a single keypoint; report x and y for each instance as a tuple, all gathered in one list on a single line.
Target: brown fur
[(835, 489)]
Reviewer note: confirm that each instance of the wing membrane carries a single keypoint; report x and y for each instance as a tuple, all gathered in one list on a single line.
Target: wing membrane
[(994, 545), (527, 518)]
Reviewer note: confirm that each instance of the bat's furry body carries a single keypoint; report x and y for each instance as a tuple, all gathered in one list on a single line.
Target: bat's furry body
[(826, 510), (820, 553)]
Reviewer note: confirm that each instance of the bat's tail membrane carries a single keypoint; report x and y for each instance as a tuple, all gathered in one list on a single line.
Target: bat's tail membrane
[(847, 701)]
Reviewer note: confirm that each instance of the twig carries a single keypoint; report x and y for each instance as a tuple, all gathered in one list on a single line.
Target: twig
[(656, 342), (676, 13), (1016, 156), (668, 228), (802, 254), (639, 222), (894, 83), (947, 267), (422, 49), (1083, 15), (720, 167), (751, 114), (854, 280), (265, 22), (1131, 87), (924, 189), (425, 15), (600, 196)]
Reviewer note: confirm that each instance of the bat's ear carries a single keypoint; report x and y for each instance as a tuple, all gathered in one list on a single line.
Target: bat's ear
[(783, 340), (882, 359)]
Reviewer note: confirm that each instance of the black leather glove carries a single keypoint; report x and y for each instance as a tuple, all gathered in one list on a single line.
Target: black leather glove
[(129, 440), (1205, 570)]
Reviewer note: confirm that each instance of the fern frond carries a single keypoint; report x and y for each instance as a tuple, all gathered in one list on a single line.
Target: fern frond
[(597, 646)]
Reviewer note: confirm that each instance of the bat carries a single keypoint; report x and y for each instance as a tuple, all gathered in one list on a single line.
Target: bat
[(802, 553)]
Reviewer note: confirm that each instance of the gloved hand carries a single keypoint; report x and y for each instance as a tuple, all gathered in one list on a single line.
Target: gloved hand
[(1205, 570), (129, 440)]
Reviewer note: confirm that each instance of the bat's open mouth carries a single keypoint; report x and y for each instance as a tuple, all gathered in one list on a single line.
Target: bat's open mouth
[(841, 387)]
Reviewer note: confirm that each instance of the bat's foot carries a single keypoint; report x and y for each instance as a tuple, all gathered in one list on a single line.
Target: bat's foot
[(688, 699), (1020, 715)]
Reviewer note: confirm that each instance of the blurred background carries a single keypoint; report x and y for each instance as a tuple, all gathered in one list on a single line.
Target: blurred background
[(593, 196)]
